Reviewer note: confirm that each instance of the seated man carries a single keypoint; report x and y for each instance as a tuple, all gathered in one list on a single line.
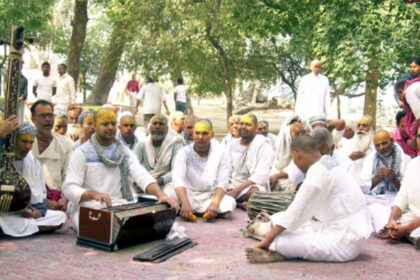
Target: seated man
[(52, 150), (157, 152), (327, 220), (36, 218), (74, 129), (335, 126), (100, 171), (282, 176), (404, 216), (188, 129), (400, 136), (264, 129), (383, 170), (233, 130), (126, 128), (198, 176), (60, 124), (360, 146), (249, 161), (88, 127), (177, 121)]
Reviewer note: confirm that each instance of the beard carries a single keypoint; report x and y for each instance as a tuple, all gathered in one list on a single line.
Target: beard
[(74, 131), (157, 136), (363, 140)]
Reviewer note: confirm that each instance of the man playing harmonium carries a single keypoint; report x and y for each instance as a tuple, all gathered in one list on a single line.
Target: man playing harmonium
[(250, 158), (199, 177), (99, 171), (36, 218), (157, 152)]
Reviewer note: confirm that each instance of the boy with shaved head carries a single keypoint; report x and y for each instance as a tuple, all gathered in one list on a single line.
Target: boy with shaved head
[(233, 130), (327, 220), (100, 171), (199, 176)]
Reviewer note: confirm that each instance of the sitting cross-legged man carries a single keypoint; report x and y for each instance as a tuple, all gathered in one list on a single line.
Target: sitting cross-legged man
[(36, 218), (199, 176), (328, 219)]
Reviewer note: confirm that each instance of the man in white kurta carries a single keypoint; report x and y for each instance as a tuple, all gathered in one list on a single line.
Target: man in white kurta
[(100, 169), (66, 90), (233, 131), (250, 159), (313, 97), (199, 179), (36, 218), (45, 86), (52, 150), (383, 170), (157, 152), (328, 218)]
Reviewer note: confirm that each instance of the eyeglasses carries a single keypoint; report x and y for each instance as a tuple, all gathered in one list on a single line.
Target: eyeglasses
[(45, 116)]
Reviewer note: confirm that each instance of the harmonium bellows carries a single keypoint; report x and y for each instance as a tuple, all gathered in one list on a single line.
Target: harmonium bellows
[(121, 226)]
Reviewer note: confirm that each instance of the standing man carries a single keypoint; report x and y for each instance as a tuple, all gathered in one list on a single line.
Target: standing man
[(52, 150), (66, 91), (45, 86), (313, 97), (152, 97), (131, 90), (180, 96), (100, 171)]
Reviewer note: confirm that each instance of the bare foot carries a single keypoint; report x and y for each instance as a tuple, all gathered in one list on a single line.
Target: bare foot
[(256, 255)]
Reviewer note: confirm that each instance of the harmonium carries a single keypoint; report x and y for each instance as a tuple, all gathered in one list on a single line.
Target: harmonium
[(121, 226)]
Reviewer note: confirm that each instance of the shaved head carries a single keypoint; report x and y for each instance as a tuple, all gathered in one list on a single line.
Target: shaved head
[(305, 144)]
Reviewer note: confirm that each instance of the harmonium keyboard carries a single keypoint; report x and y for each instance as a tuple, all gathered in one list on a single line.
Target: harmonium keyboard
[(121, 226)]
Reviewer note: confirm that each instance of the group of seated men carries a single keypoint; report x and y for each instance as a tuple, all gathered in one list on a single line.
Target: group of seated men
[(328, 165)]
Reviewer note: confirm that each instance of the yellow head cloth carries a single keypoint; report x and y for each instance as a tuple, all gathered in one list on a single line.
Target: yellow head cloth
[(26, 137), (365, 120), (105, 116), (202, 126)]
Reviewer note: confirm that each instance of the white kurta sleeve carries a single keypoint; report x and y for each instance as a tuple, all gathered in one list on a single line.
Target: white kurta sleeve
[(137, 172), (401, 199), (73, 184), (412, 96), (223, 173), (311, 194), (179, 171), (140, 96), (366, 172), (264, 158)]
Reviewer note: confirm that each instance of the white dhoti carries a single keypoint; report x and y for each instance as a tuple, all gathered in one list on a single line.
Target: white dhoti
[(18, 226)]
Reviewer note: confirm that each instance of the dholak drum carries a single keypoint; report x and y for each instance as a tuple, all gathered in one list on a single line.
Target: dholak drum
[(270, 203)]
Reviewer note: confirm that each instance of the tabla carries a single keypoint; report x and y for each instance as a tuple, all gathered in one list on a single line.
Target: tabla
[(270, 203)]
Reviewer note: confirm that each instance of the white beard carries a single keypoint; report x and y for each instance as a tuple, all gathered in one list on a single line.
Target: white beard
[(74, 129), (363, 140)]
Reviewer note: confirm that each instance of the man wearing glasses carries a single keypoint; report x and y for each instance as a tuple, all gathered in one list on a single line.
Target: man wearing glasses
[(52, 150)]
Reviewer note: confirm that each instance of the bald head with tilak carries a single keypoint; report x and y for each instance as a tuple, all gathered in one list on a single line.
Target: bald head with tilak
[(203, 133), (383, 142), (106, 126), (248, 128)]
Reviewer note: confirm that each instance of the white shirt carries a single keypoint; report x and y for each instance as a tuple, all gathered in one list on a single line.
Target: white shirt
[(412, 95), (152, 97), (313, 97), (45, 87), (66, 91), (54, 159), (181, 93), (408, 198)]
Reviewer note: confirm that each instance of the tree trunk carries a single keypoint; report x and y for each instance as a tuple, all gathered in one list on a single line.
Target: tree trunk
[(229, 105), (372, 78), (77, 39), (338, 107), (109, 68)]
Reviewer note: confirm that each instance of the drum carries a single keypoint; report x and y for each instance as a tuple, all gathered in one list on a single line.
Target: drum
[(269, 202)]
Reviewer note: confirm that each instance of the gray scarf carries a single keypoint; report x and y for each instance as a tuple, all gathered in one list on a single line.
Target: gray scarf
[(121, 162)]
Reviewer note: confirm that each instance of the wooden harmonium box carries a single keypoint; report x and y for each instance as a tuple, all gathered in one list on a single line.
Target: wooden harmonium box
[(121, 226)]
